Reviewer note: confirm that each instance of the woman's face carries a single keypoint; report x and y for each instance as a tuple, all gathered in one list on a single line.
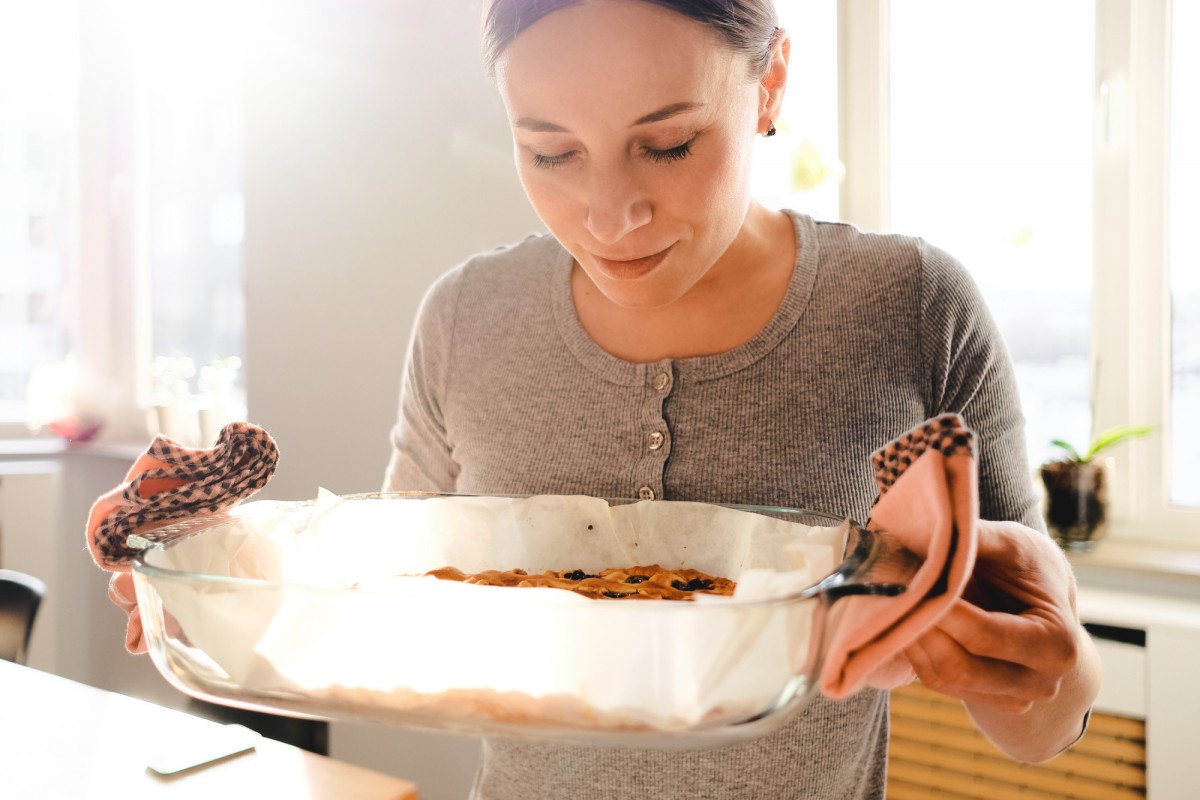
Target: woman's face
[(633, 127)]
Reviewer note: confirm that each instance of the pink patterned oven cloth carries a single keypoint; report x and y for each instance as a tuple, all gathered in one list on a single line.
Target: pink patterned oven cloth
[(927, 516), (170, 483)]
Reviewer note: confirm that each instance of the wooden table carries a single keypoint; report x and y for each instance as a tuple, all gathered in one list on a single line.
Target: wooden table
[(62, 739)]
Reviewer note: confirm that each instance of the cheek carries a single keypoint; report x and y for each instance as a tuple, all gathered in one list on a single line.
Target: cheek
[(549, 198), (717, 180)]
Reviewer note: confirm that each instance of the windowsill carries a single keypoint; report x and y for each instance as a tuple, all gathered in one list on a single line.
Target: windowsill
[(42, 447), (1151, 568)]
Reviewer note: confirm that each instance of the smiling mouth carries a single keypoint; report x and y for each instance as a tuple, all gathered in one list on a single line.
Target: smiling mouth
[(630, 269)]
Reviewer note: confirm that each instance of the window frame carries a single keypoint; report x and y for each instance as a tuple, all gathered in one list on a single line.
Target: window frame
[(114, 323), (114, 289), (1131, 300)]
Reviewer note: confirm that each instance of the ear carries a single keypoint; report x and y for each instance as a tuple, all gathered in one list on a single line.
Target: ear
[(774, 80)]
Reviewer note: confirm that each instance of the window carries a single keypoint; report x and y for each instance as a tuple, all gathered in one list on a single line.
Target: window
[(121, 214), (1141, 326), (39, 172), (1052, 148), (189, 212), (1184, 179), (994, 166), (798, 168)]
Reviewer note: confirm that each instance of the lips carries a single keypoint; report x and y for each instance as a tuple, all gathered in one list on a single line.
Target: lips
[(630, 268)]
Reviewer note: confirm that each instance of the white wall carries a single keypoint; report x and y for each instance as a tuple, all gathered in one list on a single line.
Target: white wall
[(377, 157)]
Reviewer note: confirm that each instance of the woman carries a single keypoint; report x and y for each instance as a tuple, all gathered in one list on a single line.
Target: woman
[(675, 339)]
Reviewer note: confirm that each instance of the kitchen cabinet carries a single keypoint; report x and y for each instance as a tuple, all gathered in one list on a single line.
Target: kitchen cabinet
[(1158, 684)]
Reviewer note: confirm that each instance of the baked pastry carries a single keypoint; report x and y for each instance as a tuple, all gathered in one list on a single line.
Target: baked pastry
[(643, 582)]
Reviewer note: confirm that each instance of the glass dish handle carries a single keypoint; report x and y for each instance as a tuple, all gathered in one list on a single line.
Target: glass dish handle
[(835, 593)]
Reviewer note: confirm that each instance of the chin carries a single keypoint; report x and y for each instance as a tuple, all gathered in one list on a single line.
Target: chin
[(639, 298)]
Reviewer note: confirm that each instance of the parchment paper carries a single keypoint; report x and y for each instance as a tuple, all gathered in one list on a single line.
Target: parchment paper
[(343, 611)]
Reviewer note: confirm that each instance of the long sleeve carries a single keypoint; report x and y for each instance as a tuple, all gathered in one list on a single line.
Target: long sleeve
[(421, 457), (971, 373)]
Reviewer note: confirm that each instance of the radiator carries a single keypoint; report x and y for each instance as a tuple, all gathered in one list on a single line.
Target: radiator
[(936, 752)]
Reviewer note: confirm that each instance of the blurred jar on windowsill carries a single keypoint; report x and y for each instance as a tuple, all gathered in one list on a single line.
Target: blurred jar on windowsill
[(1076, 501), (219, 400), (1077, 486), (195, 418)]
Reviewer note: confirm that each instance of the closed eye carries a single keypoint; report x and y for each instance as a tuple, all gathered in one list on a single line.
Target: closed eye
[(545, 162), (657, 156), (670, 154)]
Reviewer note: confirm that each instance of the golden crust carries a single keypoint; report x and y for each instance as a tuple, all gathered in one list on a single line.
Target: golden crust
[(644, 582)]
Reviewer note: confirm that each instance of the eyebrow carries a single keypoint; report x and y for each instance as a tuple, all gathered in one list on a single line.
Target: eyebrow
[(666, 112)]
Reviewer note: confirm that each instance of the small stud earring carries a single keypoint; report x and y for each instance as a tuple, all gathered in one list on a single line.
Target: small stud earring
[(770, 129)]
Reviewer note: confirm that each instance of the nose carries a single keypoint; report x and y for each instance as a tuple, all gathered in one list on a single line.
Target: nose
[(616, 207)]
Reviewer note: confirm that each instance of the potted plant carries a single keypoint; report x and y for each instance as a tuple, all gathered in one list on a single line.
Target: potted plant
[(1077, 488)]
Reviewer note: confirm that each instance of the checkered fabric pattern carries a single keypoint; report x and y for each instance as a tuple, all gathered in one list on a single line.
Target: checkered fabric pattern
[(169, 483), (947, 433), (927, 519)]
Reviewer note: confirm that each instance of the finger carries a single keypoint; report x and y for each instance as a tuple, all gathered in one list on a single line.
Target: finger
[(121, 590), (945, 666), (1040, 641), (925, 665), (1009, 705), (930, 678), (1032, 637)]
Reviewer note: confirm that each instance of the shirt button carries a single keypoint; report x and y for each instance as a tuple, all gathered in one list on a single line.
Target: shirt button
[(661, 381), (646, 493), (655, 440)]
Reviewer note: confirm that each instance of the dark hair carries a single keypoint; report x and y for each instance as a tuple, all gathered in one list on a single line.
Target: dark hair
[(746, 26)]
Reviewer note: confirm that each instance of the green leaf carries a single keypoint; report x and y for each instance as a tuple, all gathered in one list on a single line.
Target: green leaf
[(1065, 445), (1112, 436)]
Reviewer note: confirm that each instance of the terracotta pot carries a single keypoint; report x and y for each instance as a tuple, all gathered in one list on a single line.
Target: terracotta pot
[(1076, 504)]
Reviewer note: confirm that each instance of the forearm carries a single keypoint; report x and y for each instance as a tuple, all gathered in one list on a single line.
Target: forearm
[(1049, 726)]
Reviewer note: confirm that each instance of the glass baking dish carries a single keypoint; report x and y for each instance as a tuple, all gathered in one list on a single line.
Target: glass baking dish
[(316, 609)]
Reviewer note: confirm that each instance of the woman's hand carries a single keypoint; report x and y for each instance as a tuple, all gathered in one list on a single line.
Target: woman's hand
[(1013, 649)]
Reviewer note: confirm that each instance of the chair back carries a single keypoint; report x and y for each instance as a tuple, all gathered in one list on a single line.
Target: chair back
[(20, 596)]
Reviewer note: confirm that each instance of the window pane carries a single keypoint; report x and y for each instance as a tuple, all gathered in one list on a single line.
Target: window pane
[(39, 97), (1185, 254), (798, 168), (188, 58), (991, 114), (194, 218)]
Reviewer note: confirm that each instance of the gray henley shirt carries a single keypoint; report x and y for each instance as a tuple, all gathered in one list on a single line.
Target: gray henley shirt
[(505, 393)]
